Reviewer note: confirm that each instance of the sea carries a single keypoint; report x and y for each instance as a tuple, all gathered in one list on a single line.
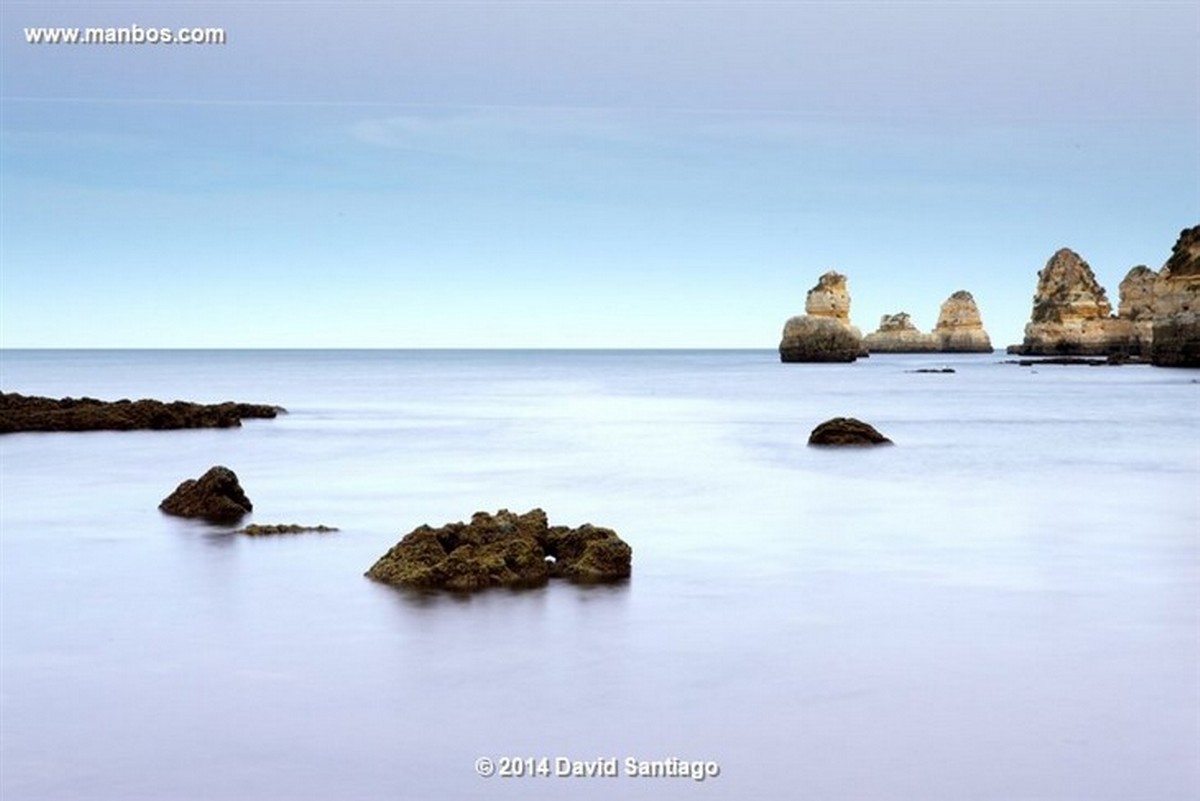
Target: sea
[(1005, 604)]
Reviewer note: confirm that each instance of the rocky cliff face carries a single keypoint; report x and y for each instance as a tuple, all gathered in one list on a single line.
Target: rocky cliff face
[(1176, 325), (823, 333), (960, 328), (897, 334), (1071, 312)]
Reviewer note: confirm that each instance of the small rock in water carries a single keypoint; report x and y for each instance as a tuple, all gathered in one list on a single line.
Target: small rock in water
[(215, 496), (841, 431)]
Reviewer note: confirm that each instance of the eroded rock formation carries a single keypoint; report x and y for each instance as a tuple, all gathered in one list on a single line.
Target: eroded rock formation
[(824, 332), (1176, 328), (215, 496), (1071, 312), (503, 550), (1136, 304), (32, 413), (897, 334), (959, 327)]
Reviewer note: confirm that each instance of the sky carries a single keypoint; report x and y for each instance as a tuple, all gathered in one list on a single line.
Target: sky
[(578, 174)]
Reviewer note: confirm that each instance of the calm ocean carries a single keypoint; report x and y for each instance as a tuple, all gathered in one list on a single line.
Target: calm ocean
[(1005, 605)]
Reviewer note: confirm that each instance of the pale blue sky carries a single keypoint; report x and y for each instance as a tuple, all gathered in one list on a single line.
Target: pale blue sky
[(589, 174)]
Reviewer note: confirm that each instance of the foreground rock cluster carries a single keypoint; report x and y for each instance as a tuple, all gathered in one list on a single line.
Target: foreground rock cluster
[(503, 550), (824, 332), (1158, 314), (32, 413)]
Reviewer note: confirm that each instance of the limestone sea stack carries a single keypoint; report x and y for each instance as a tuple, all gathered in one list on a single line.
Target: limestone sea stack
[(1176, 326), (959, 327), (823, 333), (897, 334), (1071, 313), (1136, 304)]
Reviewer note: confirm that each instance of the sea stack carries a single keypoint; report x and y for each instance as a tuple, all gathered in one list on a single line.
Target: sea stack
[(1071, 313), (1176, 327), (960, 327), (897, 334), (824, 332), (1136, 304)]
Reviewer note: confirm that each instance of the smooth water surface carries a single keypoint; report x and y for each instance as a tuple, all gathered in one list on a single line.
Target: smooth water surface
[(1005, 605)]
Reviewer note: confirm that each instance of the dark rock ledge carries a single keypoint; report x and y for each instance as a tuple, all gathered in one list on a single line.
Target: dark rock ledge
[(30, 413), (503, 550)]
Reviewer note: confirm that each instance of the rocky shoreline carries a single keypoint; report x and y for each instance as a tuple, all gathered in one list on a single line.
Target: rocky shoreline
[(21, 413), (1157, 318)]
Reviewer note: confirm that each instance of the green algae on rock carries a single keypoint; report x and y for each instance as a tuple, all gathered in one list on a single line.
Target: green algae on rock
[(503, 550)]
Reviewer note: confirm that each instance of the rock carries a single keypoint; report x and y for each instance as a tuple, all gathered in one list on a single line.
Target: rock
[(897, 334), (257, 530), (959, 327), (215, 496), (1110, 360), (1071, 313), (1136, 293), (823, 333), (829, 298), (503, 550), (32, 413), (1176, 327), (846, 431), (819, 339), (932, 370)]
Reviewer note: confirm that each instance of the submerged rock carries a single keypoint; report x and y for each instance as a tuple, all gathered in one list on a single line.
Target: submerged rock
[(33, 413), (959, 327), (258, 530), (846, 431), (215, 496), (823, 333), (503, 550), (1176, 325)]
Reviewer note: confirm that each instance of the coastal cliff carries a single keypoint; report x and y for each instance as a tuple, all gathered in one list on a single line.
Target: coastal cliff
[(1158, 314), (1175, 340), (823, 333)]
